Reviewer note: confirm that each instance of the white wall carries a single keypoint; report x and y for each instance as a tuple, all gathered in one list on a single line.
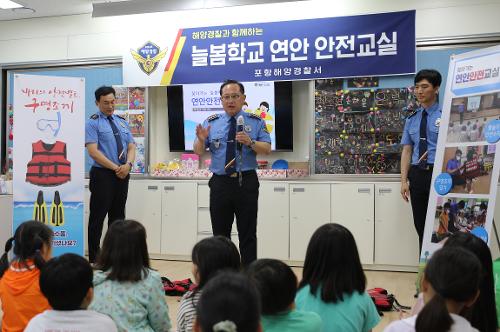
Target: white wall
[(81, 37)]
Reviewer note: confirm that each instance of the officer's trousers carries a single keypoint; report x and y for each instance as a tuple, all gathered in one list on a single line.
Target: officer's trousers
[(227, 199), (108, 196), (420, 183)]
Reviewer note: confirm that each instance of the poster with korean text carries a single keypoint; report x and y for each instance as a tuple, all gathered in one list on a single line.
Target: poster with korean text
[(466, 169), (48, 150)]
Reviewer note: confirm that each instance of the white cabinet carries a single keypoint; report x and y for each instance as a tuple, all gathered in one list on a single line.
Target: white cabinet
[(353, 207), (204, 221), (6, 207), (144, 205), (309, 209), (273, 221), (396, 241), (86, 209), (179, 217)]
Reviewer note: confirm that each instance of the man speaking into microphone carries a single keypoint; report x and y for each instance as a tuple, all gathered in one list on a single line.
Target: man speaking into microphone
[(234, 139)]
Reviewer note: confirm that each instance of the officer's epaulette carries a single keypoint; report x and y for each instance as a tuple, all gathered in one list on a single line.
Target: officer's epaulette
[(94, 116), (121, 117), (253, 115), (212, 117), (412, 114)]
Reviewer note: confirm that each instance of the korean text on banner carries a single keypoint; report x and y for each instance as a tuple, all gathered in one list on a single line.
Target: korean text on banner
[(466, 169), (48, 179), (363, 45)]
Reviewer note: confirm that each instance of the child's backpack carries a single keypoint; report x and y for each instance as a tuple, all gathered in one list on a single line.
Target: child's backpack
[(177, 287), (385, 301)]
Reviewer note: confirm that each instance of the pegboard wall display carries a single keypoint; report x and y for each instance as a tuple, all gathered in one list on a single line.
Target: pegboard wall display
[(359, 131)]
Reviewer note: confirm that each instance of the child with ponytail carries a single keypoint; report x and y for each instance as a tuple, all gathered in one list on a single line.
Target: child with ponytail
[(449, 285), (19, 279)]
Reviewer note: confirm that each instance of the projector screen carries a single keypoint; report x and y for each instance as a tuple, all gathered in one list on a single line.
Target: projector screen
[(191, 104)]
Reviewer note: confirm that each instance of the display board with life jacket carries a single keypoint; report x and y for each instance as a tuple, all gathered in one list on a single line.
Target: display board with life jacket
[(48, 166)]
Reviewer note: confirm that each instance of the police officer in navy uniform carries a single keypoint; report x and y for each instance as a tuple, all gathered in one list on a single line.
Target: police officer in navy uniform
[(234, 187), (419, 147), (110, 143)]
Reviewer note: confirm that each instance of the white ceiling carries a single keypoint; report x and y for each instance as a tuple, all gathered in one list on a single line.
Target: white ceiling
[(45, 8)]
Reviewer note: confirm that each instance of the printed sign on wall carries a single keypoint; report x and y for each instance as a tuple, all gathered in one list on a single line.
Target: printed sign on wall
[(363, 45), (48, 173)]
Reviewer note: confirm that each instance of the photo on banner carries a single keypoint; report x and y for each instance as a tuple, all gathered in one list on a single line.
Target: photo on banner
[(466, 168), (470, 168), (458, 214), (469, 116), (48, 172)]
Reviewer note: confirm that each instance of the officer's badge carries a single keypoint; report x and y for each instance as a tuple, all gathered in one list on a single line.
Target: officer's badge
[(213, 117), (217, 143), (148, 57), (438, 122)]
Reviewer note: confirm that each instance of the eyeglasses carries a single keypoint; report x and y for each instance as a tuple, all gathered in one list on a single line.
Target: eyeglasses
[(230, 97)]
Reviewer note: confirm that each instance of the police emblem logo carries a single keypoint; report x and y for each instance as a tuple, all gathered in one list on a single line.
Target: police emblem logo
[(148, 57)]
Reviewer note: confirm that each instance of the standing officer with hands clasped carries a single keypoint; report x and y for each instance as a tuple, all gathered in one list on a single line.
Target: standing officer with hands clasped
[(419, 147), (110, 143), (234, 138)]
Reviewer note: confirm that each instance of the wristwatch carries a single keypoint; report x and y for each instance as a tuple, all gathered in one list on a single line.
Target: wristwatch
[(252, 144)]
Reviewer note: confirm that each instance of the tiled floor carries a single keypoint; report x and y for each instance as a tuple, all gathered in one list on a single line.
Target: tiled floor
[(402, 284)]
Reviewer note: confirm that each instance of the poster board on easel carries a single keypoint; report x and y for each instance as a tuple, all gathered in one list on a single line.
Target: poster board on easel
[(464, 200)]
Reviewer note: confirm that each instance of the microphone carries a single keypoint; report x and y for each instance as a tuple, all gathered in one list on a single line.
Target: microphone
[(240, 123)]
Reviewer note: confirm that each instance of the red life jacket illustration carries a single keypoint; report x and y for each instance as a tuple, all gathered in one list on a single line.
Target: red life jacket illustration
[(48, 166)]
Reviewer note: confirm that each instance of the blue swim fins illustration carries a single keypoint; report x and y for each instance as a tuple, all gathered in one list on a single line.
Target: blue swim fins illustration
[(57, 211), (40, 209)]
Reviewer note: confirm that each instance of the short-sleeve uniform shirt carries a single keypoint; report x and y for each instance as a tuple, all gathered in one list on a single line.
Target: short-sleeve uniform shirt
[(411, 132), (217, 139), (98, 130)]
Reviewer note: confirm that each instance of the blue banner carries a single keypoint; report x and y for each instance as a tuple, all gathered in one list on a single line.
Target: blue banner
[(364, 45)]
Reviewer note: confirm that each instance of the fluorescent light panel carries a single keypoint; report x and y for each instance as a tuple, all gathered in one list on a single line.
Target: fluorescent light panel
[(7, 4), (129, 7)]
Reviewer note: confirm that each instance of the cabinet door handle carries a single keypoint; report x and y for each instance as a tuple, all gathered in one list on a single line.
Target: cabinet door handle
[(279, 189), (86, 186), (385, 190), (364, 190), (152, 187), (299, 190), (169, 188)]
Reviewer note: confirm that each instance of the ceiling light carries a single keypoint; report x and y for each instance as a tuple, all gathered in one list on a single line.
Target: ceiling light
[(23, 10), (129, 7), (7, 4)]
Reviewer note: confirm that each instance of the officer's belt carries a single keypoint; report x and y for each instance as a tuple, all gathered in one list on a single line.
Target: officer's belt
[(236, 174), (428, 167)]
